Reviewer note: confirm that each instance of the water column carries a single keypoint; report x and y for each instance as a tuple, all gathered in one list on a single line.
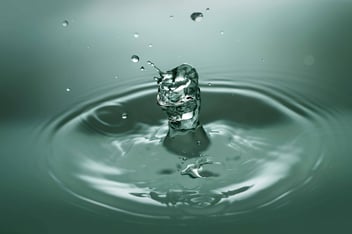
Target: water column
[(179, 96)]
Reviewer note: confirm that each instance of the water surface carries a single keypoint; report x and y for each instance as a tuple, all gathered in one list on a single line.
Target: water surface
[(275, 102)]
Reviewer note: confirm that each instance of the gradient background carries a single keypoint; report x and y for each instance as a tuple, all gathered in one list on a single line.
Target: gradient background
[(40, 59)]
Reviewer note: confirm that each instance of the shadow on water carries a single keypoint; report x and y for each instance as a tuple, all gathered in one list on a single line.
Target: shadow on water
[(243, 110)]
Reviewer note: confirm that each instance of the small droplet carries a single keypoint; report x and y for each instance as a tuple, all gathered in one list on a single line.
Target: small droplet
[(116, 77), (136, 35), (150, 45), (68, 90), (262, 59), (222, 32), (135, 58), (142, 68), (124, 116), (197, 16), (171, 17), (207, 9), (65, 23), (198, 142), (210, 84)]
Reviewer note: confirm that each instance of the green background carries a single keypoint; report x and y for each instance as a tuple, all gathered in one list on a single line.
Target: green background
[(40, 59)]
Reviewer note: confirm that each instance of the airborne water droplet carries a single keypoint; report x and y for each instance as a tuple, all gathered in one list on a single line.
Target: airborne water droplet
[(135, 58), (222, 32), (197, 16), (65, 23), (124, 116), (142, 68), (207, 9), (171, 17), (209, 84), (150, 45), (136, 35), (68, 90)]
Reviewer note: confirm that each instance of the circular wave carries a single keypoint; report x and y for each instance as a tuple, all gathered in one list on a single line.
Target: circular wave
[(265, 146)]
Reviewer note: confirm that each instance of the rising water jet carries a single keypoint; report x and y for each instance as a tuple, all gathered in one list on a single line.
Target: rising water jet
[(179, 97)]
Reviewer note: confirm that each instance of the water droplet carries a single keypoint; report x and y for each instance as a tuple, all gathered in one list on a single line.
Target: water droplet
[(116, 77), (142, 68), (171, 17), (210, 84), (150, 45), (65, 23), (222, 32), (156, 68), (262, 60), (197, 16), (124, 116), (198, 142), (68, 90), (135, 58), (207, 9), (136, 35)]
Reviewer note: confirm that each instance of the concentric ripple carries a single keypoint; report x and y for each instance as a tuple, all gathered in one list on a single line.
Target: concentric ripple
[(265, 147)]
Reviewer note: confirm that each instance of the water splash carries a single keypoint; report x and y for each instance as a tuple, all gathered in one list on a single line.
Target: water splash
[(179, 96), (251, 163)]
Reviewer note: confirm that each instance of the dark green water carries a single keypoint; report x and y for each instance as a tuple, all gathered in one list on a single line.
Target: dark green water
[(277, 111)]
